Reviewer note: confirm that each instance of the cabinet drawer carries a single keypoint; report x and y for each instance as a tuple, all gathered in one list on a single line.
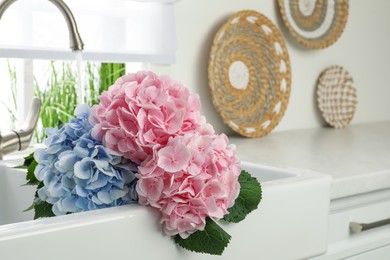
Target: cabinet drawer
[(365, 209), (371, 244)]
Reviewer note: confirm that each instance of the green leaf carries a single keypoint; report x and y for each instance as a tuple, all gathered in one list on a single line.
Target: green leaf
[(42, 208), (248, 199), (27, 161), (30, 177), (212, 240), (29, 208), (20, 167), (30, 164)]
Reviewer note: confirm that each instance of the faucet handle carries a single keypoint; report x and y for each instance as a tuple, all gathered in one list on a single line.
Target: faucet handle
[(33, 115), (18, 140)]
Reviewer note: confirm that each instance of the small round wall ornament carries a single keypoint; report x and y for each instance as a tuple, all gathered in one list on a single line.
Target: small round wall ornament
[(336, 96), (315, 24), (249, 74)]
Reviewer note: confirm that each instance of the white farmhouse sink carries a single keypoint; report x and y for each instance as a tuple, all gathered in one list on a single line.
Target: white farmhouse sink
[(290, 223)]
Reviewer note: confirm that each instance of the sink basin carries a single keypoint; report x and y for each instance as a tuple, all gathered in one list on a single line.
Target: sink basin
[(289, 224), (14, 198), (266, 174)]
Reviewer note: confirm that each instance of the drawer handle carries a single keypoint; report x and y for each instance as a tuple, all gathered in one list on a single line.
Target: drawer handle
[(360, 227)]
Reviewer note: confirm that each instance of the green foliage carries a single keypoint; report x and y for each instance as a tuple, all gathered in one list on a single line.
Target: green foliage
[(59, 94), (26, 162), (59, 97), (92, 82), (40, 207), (212, 240), (248, 199), (30, 177), (109, 73)]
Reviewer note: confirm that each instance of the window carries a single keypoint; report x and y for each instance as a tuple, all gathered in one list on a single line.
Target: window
[(57, 84), (112, 30), (124, 31)]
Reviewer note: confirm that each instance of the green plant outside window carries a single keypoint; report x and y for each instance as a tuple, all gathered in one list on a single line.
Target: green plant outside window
[(59, 96)]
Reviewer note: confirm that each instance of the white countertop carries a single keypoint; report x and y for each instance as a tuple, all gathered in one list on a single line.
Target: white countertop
[(357, 157)]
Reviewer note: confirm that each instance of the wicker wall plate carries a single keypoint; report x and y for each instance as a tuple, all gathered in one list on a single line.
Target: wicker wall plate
[(315, 24), (249, 74), (336, 96)]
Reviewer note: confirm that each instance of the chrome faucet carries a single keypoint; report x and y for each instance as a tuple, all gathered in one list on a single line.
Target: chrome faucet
[(17, 140), (20, 139), (76, 44)]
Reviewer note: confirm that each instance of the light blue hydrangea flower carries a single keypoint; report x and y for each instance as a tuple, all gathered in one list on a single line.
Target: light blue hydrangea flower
[(78, 172)]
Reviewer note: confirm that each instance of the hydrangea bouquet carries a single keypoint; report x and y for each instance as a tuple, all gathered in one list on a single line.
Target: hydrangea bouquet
[(145, 142)]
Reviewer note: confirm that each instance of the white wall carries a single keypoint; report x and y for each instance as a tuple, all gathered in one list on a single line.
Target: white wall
[(363, 49)]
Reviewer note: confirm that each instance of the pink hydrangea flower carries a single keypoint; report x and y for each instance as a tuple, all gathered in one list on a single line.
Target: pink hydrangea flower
[(188, 179), (143, 110), (185, 171)]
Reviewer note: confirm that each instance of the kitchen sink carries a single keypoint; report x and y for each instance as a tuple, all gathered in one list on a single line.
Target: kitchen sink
[(290, 223)]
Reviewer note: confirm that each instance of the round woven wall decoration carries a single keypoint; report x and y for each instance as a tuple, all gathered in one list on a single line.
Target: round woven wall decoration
[(315, 24), (336, 96), (249, 74)]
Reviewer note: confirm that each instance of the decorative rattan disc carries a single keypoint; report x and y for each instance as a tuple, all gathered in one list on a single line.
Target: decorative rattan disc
[(249, 74), (315, 24), (336, 96)]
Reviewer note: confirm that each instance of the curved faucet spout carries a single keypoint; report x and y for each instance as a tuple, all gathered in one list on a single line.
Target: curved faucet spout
[(76, 44)]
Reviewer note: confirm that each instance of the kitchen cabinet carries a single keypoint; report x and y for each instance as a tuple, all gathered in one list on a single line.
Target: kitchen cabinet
[(368, 244)]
